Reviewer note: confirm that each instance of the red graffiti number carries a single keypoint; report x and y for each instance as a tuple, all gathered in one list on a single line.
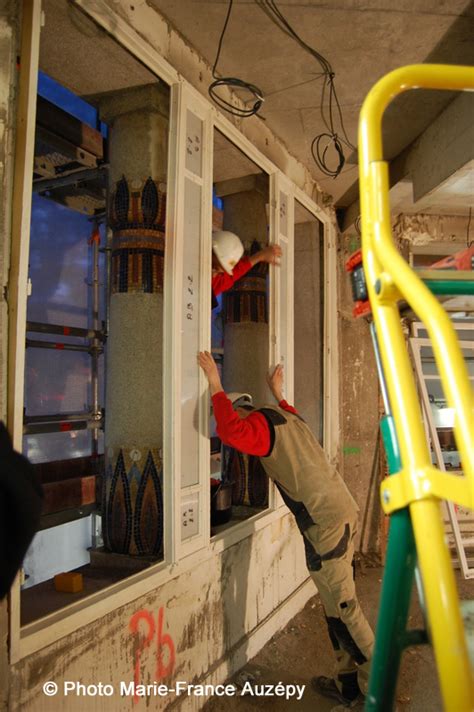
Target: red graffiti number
[(142, 625)]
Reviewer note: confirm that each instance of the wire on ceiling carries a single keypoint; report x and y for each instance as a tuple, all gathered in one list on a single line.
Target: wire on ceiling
[(328, 145), (233, 83)]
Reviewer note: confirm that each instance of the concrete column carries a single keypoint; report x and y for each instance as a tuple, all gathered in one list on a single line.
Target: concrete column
[(246, 332), (132, 497)]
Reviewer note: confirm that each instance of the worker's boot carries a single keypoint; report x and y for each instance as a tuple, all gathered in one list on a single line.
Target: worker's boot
[(349, 695)]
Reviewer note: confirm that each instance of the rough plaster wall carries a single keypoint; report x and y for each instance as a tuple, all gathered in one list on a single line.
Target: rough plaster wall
[(423, 229), (207, 612), (359, 406), (8, 39), (307, 325)]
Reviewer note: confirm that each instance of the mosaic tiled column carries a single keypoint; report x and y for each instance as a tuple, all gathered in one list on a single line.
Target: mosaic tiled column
[(246, 334), (133, 495)]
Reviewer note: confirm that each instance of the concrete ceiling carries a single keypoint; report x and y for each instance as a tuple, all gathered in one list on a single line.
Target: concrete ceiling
[(362, 39)]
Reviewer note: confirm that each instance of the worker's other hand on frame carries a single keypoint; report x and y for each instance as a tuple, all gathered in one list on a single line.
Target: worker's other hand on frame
[(270, 254), (275, 382), (209, 367)]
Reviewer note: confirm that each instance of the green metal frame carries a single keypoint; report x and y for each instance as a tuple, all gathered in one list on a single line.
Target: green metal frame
[(392, 636)]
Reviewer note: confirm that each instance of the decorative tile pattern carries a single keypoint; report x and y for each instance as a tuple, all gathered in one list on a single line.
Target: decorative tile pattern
[(233, 472), (249, 480), (119, 510), (138, 222), (247, 301), (133, 505), (148, 519), (144, 208), (257, 485)]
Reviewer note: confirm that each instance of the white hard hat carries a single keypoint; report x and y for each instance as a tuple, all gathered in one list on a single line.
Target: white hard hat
[(227, 248), (239, 399)]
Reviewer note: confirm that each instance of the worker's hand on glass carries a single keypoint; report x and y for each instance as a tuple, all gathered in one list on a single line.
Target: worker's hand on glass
[(270, 254), (275, 382), (209, 367)]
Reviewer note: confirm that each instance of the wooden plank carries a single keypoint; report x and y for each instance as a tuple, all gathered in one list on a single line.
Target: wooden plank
[(59, 470), (69, 494), (61, 123)]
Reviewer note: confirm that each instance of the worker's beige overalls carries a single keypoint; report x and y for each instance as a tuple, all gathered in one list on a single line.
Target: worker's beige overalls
[(326, 515)]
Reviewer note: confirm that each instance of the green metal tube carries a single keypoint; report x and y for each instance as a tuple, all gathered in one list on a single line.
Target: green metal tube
[(397, 584), (450, 287)]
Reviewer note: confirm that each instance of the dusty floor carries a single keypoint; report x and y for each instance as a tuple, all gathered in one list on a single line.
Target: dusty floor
[(302, 650)]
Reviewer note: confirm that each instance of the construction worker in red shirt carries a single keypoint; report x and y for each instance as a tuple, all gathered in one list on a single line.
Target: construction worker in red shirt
[(228, 264), (325, 513)]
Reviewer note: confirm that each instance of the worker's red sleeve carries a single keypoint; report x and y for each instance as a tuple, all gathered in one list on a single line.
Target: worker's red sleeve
[(286, 406), (250, 435), (222, 281)]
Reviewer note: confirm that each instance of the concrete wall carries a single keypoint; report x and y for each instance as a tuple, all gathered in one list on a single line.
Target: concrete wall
[(422, 229), (359, 406), (198, 627)]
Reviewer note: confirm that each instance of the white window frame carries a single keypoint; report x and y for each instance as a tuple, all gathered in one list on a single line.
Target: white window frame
[(179, 557)]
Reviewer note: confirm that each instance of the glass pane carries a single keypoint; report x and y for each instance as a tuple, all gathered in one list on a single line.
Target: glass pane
[(309, 318), (59, 264), (57, 382), (239, 324), (99, 181), (49, 447)]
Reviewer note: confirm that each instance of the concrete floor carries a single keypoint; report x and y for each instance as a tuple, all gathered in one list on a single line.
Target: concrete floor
[(302, 650)]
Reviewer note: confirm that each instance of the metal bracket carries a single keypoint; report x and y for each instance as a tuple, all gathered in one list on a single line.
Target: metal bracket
[(404, 487)]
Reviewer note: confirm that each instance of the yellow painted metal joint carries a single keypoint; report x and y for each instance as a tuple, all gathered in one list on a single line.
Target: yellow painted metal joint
[(408, 486), (386, 290), (399, 490)]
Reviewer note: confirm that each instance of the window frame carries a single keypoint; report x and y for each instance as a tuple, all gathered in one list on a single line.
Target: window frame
[(179, 558)]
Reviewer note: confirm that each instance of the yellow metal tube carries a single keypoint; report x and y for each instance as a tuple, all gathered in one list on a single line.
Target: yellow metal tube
[(446, 349), (447, 631), (380, 255), (388, 279)]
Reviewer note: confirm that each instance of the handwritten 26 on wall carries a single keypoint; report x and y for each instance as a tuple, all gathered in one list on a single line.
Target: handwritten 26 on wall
[(149, 634)]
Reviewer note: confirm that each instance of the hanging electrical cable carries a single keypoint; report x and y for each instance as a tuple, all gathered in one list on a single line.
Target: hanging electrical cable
[(233, 83), (328, 143)]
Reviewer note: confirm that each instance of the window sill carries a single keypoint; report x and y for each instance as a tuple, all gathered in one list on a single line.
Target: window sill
[(61, 623)]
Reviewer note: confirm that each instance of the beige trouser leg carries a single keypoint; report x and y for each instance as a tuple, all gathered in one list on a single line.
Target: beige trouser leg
[(350, 633)]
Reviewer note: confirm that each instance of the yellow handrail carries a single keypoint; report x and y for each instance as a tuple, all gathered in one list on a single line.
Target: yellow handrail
[(419, 485)]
